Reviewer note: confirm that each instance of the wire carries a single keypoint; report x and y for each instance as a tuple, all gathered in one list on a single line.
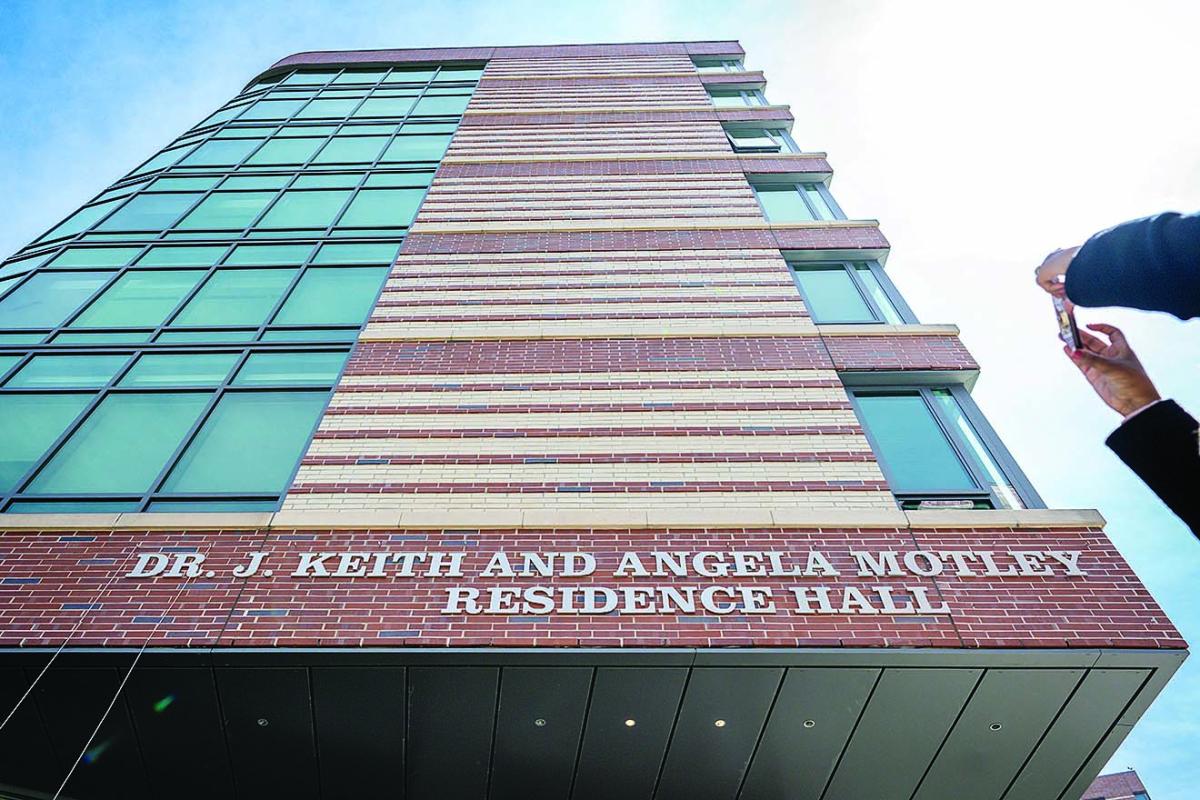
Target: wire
[(121, 687), (91, 607)]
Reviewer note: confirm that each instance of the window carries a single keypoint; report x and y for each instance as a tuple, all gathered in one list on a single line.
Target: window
[(736, 98), (48, 298), (306, 209), (122, 445), (235, 452), (845, 292), (718, 64), (227, 211), (761, 140), (148, 336), (374, 208), (139, 299), (149, 212), (803, 202), (929, 446), (29, 424), (236, 297), (333, 296)]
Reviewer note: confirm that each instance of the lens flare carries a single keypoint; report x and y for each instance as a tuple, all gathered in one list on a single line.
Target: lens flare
[(162, 704), (93, 755)]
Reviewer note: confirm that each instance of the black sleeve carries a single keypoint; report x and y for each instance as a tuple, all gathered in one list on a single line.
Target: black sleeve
[(1161, 445), (1152, 264)]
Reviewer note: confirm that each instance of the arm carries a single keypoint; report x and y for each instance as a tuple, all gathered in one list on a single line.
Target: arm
[(1158, 440), (1160, 444), (1152, 264)]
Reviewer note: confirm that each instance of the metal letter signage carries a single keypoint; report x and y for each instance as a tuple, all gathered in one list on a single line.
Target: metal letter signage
[(667, 582)]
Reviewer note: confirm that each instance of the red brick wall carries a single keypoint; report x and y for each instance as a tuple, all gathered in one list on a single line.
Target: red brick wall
[(56, 585)]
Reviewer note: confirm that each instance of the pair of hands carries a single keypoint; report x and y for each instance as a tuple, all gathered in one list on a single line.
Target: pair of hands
[(1112, 368)]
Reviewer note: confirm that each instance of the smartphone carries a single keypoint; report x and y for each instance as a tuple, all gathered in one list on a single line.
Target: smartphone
[(1067, 330)]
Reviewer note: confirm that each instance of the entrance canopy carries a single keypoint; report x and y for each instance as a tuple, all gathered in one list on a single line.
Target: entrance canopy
[(762, 724)]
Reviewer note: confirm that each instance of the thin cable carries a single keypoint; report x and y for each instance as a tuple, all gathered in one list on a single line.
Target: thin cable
[(70, 633), (121, 687)]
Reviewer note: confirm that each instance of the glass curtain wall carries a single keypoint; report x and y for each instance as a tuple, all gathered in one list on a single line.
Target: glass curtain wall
[(172, 344)]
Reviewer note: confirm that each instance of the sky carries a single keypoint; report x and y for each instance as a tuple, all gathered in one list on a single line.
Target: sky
[(981, 135)]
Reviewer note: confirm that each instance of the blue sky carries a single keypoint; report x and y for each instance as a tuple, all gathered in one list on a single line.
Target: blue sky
[(981, 135)]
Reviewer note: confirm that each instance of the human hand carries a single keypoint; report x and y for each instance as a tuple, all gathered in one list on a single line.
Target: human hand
[(1114, 370), (1054, 267)]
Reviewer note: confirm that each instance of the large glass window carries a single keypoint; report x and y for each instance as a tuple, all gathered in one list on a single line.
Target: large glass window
[(236, 452), (171, 345), (29, 424), (931, 451), (48, 298), (844, 292), (149, 212), (306, 209), (332, 296), (761, 140), (122, 445), (227, 211), (803, 202), (736, 98), (139, 299), (236, 297)]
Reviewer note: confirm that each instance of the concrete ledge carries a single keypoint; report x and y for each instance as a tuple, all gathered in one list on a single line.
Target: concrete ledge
[(1018, 518), (733, 517), (887, 330), (666, 224)]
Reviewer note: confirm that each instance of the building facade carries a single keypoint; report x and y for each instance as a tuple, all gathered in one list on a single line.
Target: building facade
[(523, 422), (1117, 786)]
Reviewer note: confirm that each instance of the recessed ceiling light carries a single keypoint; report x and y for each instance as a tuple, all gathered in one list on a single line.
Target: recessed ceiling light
[(995, 726), (719, 723), (629, 723), (809, 723), (541, 723)]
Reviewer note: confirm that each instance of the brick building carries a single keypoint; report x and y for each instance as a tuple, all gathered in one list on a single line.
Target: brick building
[(1117, 786), (523, 422)]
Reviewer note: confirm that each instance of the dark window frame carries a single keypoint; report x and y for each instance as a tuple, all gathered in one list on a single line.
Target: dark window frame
[(907, 317), (906, 385)]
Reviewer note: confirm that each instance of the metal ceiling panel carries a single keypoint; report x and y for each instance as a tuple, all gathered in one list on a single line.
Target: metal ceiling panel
[(538, 730), (1004, 720), (719, 724), (904, 724), (72, 702), (619, 759), (359, 715), (27, 760), (171, 705), (808, 728), (268, 720), (1084, 720), (451, 719)]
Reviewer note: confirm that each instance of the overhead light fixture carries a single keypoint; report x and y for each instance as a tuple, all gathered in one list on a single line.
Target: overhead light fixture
[(541, 723), (719, 723), (629, 723), (810, 723), (995, 726)]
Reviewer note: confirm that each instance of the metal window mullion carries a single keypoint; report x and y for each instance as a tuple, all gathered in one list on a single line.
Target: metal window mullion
[(857, 282), (827, 196), (30, 474), (954, 439), (22, 361), (893, 294), (995, 446)]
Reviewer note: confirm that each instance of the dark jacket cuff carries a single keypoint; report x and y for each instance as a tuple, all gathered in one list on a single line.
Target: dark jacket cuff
[(1162, 419)]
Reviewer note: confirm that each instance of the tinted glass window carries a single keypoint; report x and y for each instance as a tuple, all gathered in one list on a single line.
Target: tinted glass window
[(122, 445), (912, 449), (48, 298), (235, 452)]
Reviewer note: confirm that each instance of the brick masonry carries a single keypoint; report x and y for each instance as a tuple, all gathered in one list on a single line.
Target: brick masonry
[(58, 585)]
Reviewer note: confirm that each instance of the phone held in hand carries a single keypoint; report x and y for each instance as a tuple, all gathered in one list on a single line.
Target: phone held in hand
[(1067, 330)]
